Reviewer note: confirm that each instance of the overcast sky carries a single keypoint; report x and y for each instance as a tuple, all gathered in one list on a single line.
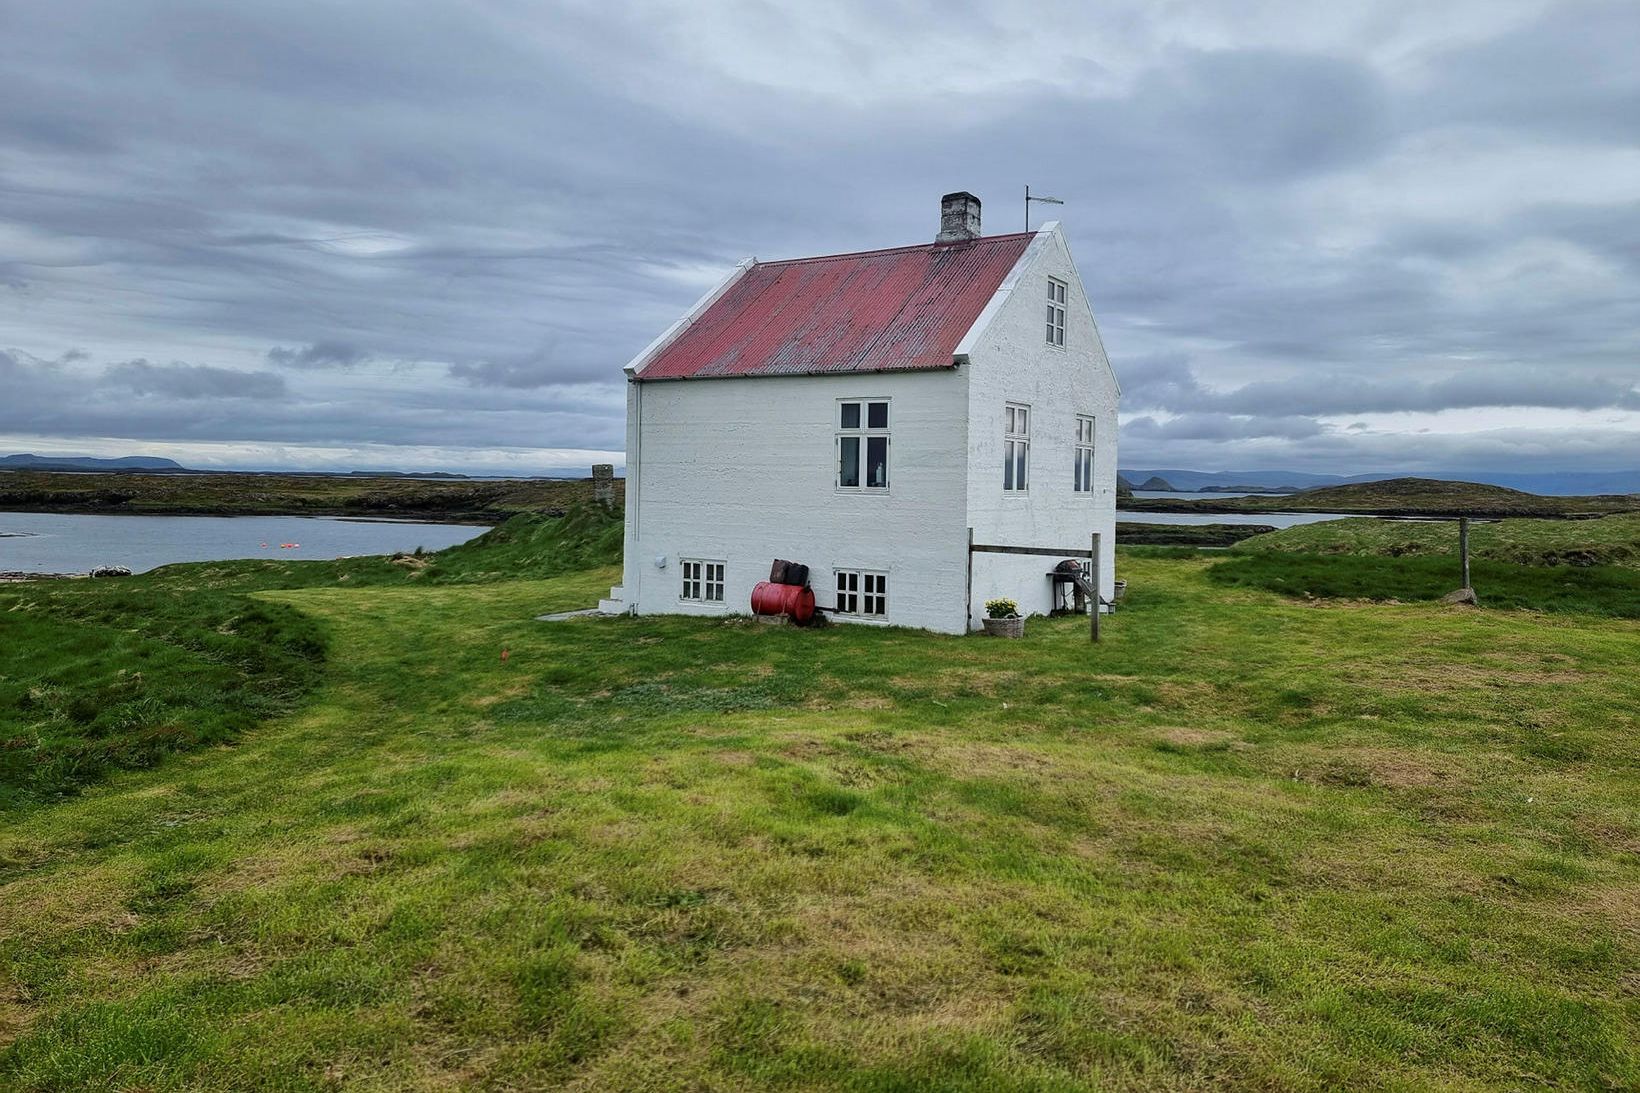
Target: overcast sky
[(1393, 236)]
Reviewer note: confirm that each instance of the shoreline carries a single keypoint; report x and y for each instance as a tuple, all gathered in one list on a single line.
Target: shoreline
[(464, 519)]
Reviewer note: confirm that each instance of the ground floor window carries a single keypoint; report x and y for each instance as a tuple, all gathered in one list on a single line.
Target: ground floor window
[(862, 593), (702, 581)]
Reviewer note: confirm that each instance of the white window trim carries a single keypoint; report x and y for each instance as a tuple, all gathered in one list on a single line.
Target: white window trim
[(1023, 438), (704, 581), (863, 433), (1053, 327), (1090, 447), (860, 594)]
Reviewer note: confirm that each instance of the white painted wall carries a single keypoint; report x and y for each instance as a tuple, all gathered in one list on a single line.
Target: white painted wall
[(1010, 361), (743, 470)]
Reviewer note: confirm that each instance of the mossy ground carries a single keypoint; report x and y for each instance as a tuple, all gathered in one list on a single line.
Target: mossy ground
[(1244, 842)]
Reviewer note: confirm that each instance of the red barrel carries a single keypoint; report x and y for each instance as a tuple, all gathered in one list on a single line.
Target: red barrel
[(797, 601)]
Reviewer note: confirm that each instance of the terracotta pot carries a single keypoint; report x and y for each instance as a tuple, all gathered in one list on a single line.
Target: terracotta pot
[(1005, 628)]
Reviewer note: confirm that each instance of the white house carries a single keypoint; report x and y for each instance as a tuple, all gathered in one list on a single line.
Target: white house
[(872, 415)]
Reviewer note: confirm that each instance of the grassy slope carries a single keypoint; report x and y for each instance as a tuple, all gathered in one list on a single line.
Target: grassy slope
[(280, 495), (1405, 497), (1611, 540), (1586, 566), (93, 680), (1592, 590), (102, 675), (1243, 842)]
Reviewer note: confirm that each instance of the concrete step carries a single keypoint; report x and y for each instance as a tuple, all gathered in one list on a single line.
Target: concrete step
[(612, 607), (618, 592)]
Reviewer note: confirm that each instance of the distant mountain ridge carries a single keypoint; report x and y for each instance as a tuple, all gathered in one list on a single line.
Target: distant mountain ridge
[(32, 462), (1566, 483), (151, 464)]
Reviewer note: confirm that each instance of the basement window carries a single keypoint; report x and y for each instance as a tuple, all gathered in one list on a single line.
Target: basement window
[(1084, 453), (862, 444), (1016, 447), (862, 593), (1056, 311), (702, 581)]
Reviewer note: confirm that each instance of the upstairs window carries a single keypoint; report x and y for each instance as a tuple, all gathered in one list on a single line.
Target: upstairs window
[(1016, 447), (702, 581), (862, 445), (1056, 311), (862, 594), (1084, 454)]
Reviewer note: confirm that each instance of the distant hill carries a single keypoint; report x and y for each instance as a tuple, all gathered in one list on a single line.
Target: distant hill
[(1423, 494), (1156, 484), (31, 462), (1404, 497), (1564, 483)]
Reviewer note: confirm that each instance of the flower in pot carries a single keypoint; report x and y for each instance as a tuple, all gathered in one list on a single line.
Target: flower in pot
[(1002, 618)]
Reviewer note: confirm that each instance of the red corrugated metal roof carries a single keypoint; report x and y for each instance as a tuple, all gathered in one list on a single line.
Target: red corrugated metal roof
[(877, 311)]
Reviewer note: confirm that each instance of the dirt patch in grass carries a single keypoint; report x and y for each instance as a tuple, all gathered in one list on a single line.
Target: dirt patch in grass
[(1195, 739), (1381, 767), (1618, 906)]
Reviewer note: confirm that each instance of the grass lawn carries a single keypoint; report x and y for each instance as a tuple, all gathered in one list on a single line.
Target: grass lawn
[(1610, 540), (1247, 841)]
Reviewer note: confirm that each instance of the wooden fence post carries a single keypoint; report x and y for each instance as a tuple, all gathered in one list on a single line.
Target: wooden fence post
[(1093, 554), (968, 592), (1463, 547)]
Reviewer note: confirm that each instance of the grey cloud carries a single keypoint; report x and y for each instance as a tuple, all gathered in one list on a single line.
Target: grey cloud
[(193, 381), (1221, 427), (1170, 384), (534, 370), (1263, 114), (321, 354)]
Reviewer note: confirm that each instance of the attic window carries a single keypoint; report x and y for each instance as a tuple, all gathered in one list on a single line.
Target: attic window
[(862, 445), (1056, 311)]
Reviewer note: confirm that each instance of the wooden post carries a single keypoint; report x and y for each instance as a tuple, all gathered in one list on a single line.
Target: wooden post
[(1093, 565), (1463, 547), (968, 590)]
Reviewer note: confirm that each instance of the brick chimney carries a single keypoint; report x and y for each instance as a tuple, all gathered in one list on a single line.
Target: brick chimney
[(959, 218)]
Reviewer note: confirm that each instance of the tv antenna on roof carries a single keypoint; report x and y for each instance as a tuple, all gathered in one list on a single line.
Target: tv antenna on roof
[(1039, 200)]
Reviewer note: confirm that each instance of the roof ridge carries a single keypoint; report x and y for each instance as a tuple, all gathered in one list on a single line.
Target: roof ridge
[(890, 250)]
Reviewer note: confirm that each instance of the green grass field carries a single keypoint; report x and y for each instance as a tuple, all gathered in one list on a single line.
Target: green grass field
[(1248, 841), (1610, 540)]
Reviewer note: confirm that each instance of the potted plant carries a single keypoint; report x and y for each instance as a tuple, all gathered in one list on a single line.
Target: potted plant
[(1002, 619)]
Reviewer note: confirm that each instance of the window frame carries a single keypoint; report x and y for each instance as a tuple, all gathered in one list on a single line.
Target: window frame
[(1082, 454), (860, 593), (1058, 295), (863, 434), (703, 581), (1016, 447)]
